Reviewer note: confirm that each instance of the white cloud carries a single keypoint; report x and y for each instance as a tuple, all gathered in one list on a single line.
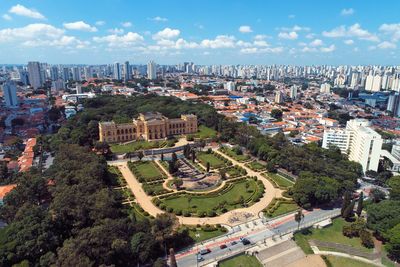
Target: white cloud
[(167, 33), (80, 26), (100, 22), (256, 50), (260, 37), (35, 31), (316, 42), (126, 24), (348, 42), (116, 31), (386, 45), (347, 12), (354, 30), (114, 40), (310, 35), (260, 43), (307, 49), (221, 41), (6, 17), (288, 35), (392, 29), (245, 29), (159, 19), (252, 50), (295, 28), (328, 49), (26, 12)]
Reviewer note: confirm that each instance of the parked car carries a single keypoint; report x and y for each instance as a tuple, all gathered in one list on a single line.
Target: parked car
[(204, 251), (245, 241), (223, 246)]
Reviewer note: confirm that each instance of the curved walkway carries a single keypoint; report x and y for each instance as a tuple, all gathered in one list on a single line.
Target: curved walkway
[(146, 203)]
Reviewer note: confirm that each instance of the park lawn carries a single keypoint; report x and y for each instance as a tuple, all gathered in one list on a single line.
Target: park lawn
[(280, 180), (205, 132), (147, 170), (336, 261), (215, 162), (242, 260), (157, 189), (284, 208), (231, 153), (204, 235), (234, 172), (205, 203), (334, 234), (257, 166), (135, 146), (302, 241)]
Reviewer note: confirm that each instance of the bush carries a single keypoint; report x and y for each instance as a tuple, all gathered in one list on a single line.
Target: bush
[(366, 239), (201, 214), (186, 213), (178, 212), (169, 209), (162, 206), (211, 213)]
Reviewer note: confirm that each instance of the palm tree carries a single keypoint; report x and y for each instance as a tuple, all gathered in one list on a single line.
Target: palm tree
[(298, 217)]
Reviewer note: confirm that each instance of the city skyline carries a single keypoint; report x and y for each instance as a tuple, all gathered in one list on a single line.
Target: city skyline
[(334, 33)]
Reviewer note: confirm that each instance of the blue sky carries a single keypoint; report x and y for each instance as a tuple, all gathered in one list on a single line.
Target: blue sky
[(205, 32)]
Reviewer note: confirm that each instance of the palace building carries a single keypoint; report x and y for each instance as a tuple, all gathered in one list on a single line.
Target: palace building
[(148, 126)]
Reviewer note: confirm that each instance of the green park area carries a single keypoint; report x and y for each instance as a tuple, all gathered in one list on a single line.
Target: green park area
[(140, 145), (233, 195), (335, 261), (216, 161), (146, 171), (256, 166), (205, 132), (332, 233), (281, 207), (278, 180), (235, 153), (241, 260), (205, 232)]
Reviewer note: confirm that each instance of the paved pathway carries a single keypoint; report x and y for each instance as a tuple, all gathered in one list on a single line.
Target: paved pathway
[(145, 201)]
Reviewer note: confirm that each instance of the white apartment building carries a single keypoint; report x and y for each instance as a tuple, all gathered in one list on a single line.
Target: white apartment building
[(360, 142), (325, 88), (151, 70)]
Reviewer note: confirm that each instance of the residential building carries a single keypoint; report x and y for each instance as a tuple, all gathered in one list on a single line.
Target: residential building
[(325, 88), (151, 70), (35, 75), (127, 71), (10, 94), (117, 71)]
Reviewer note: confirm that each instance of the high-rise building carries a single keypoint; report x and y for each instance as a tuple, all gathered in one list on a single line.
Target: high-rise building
[(369, 82), (279, 97), (230, 86), (10, 94), (35, 75), (293, 92), (359, 141), (127, 71), (76, 74), (325, 88), (65, 74), (54, 73), (151, 70), (394, 104), (117, 71), (88, 72)]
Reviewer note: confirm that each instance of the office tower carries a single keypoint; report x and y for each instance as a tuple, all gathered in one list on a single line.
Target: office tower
[(58, 85), (53, 73), (293, 92), (359, 141), (23, 77), (279, 97), (127, 71), (325, 88), (35, 75), (76, 74), (117, 71), (10, 94), (151, 70), (65, 74), (369, 82), (394, 104), (88, 72), (376, 84)]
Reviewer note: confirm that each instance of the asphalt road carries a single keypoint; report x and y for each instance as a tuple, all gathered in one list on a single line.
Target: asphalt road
[(253, 232)]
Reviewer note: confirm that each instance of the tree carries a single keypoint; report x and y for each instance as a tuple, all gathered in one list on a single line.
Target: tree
[(140, 155), (349, 211), (193, 155), (393, 245), (377, 195), (172, 258), (208, 166), (177, 182), (222, 174), (276, 114), (298, 217), (383, 216), (394, 184), (162, 156), (346, 202), (360, 204)]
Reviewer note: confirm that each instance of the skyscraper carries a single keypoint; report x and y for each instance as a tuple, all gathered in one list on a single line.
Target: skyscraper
[(10, 94), (35, 76), (293, 92), (117, 71), (127, 71), (151, 70), (76, 74)]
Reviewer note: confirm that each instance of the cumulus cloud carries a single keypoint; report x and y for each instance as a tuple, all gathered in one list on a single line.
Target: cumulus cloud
[(256, 50), (116, 31), (35, 31), (386, 45), (80, 26), (159, 19), (288, 35), (100, 22), (115, 40), (126, 24), (347, 12), (20, 10), (221, 41), (316, 42), (391, 29), (167, 33), (328, 49), (245, 29), (295, 28), (6, 17), (354, 30)]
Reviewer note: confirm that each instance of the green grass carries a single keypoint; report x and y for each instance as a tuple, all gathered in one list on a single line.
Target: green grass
[(280, 180), (205, 132), (235, 172), (214, 161), (231, 153), (336, 261), (334, 234), (135, 146), (240, 261), (146, 171), (284, 208), (256, 166), (302, 241), (226, 199), (154, 189), (204, 235)]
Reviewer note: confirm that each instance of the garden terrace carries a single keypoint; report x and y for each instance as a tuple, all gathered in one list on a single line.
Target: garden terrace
[(256, 166), (236, 194), (278, 181), (140, 145), (235, 171), (146, 171), (216, 161), (234, 153), (155, 188), (280, 206)]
